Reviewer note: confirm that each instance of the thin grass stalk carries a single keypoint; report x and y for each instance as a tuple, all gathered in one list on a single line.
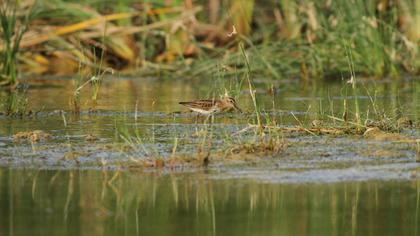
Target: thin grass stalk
[(353, 85), (418, 150), (250, 85)]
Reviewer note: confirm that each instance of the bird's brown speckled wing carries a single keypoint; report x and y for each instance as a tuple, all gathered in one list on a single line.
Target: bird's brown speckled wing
[(200, 104)]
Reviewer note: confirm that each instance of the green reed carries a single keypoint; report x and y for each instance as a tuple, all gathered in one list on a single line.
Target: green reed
[(12, 31)]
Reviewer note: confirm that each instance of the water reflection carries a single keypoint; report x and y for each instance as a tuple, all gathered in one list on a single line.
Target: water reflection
[(44, 202)]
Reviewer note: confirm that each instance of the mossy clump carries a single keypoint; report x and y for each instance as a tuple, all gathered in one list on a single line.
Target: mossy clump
[(265, 147), (380, 135), (32, 136)]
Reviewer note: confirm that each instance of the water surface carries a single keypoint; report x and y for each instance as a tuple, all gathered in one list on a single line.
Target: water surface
[(318, 185)]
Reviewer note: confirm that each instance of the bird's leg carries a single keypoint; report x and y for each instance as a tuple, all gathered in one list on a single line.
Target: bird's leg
[(196, 118), (207, 118)]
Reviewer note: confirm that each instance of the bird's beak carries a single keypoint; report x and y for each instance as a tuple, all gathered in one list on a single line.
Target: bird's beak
[(237, 108)]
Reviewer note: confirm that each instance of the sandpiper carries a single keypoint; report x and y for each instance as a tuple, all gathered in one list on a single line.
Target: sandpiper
[(212, 106)]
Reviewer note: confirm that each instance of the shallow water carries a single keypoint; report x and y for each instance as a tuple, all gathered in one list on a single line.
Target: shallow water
[(318, 185), (148, 110)]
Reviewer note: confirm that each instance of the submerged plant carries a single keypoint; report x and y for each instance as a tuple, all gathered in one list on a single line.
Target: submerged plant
[(95, 82), (16, 103)]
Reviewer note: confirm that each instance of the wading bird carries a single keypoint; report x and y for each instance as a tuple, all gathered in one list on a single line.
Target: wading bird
[(212, 106)]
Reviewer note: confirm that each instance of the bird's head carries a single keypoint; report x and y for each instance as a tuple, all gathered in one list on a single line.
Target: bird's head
[(231, 103)]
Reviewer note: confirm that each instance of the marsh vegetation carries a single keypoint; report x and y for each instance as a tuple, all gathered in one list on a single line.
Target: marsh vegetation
[(285, 39)]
